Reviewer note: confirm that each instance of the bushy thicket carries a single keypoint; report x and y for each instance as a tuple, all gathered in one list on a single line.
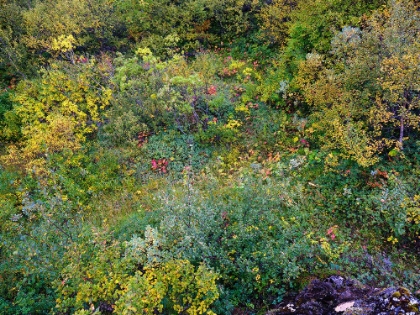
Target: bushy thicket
[(204, 157)]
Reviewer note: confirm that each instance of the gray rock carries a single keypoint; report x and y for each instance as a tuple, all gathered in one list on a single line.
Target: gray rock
[(338, 295)]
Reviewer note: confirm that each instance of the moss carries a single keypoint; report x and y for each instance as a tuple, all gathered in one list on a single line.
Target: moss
[(404, 291), (412, 308)]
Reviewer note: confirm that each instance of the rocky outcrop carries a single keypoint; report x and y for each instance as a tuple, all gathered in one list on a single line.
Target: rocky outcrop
[(338, 295)]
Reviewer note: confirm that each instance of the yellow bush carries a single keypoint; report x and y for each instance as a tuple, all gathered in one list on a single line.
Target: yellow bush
[(189, 290), (58, 110)]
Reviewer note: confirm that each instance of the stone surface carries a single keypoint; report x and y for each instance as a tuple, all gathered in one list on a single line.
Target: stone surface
[(344, 306), (339, 295)]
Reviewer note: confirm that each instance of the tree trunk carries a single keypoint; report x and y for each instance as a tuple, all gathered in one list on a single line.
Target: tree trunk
[(401, 132)]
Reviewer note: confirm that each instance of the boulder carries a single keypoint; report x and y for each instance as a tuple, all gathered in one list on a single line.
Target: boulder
[(343, 296)]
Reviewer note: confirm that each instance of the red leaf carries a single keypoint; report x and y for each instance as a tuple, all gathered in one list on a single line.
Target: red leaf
[(154, 164)]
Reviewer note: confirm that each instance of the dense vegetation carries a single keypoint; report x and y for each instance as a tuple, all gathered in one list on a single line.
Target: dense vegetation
[(205, 156)]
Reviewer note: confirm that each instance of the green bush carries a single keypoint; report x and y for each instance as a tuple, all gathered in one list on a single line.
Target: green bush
[(34, 237), (254, 233)]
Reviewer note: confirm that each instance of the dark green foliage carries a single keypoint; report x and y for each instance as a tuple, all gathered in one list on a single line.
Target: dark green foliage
[(34, 238), (253, 47), (5, 105), (9, 122), (180, 151)]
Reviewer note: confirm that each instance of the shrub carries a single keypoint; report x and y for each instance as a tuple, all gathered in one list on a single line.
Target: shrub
[(174, 286), (254, 233), (58, 110), (138, 276)]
